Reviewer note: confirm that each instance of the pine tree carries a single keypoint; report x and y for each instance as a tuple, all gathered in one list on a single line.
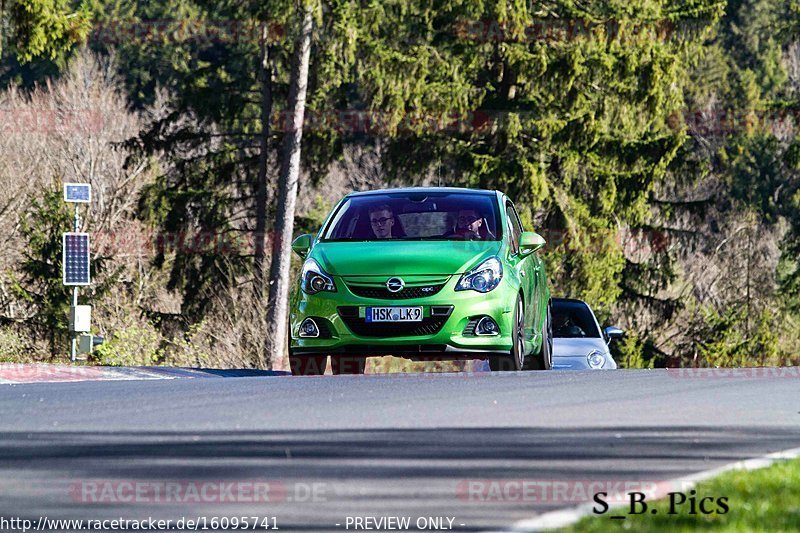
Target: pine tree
[(44, 28), (563, 105)]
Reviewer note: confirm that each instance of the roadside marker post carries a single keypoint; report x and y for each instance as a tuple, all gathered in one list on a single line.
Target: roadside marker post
[(75, 264)]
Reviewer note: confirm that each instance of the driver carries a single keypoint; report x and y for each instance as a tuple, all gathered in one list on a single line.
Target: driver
[(381, 218), (468, 225), (564, 327)]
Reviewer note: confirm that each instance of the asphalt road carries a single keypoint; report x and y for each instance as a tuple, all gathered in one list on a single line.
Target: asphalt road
[(323, 449)]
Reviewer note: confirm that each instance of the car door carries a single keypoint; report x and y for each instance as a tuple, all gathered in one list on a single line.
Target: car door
[(526, 272)]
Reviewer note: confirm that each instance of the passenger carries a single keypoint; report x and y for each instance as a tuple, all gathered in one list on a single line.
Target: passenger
[(381, 218)]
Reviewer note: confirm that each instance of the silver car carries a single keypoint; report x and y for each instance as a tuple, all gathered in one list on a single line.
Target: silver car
[(578, 342)]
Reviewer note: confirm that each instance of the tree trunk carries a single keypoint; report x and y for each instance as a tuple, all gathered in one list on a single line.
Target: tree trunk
[(2, 25), (265, 71), (277, 312)]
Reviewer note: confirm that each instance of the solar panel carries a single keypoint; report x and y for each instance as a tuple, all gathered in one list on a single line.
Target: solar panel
[(75, 264), (77, 193)]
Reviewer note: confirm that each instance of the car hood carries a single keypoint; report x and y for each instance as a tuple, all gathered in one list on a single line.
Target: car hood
[(402, 257), (578, 347)]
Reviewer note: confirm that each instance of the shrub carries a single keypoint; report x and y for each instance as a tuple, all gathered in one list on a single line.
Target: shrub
[(194, 349), (632, 352), (13, 348), (133, 346)]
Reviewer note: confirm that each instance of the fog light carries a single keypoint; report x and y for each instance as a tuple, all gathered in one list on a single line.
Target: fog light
[(487, 326), (309, 328)]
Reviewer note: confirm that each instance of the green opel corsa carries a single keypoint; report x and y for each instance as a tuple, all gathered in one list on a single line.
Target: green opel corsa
[(420, 273)]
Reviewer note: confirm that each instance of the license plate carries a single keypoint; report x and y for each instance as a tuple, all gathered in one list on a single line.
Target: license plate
[(394, 314)]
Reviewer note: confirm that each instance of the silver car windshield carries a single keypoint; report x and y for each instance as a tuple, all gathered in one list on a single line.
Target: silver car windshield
[(573, 320)]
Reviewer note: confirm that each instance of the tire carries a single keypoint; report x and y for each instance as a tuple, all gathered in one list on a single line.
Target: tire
[(344, 364), (544, 359), (514, 361), (309, 365)]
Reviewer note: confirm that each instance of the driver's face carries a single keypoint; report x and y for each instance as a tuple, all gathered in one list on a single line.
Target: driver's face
[(382, 222), (468, 220)]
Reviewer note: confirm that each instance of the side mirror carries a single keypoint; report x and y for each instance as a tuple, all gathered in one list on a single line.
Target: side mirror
[(613, 332), (302, 245), (530, 241)]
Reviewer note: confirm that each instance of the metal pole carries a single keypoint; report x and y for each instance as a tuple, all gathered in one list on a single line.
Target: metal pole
[(74, 344), (73, 351)]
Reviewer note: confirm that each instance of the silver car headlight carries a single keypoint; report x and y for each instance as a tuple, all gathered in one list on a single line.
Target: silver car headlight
[(596, 359), (482, 278), (313, 279)]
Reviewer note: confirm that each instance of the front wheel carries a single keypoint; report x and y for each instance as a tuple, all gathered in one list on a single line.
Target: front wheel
[(544, 359), (516, 359)]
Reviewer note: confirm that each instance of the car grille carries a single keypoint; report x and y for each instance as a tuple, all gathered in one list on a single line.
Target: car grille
[(429, 325), (382, 293)]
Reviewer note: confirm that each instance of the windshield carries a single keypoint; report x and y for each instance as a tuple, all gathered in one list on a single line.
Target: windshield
[(415, 216), (573, 320)]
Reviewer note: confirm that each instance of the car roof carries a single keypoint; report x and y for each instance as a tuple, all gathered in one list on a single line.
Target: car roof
[(424, 189)]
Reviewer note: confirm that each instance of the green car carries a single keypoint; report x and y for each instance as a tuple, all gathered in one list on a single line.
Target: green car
[(420, 273)]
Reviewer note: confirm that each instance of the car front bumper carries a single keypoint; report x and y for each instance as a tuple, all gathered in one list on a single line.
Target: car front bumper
[(579, 362), (344, 330)]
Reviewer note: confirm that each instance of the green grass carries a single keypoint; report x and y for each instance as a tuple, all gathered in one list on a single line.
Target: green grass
[(761, 500)]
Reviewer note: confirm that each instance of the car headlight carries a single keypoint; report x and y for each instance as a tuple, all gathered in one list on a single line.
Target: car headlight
[(482, 278), (596, 359), (313, 279)]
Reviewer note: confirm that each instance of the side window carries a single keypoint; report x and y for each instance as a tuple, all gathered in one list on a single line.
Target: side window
[(516, 217), (515, 228)]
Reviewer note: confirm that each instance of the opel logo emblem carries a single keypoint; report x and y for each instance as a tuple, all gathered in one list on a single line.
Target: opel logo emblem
[(395, 284)]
